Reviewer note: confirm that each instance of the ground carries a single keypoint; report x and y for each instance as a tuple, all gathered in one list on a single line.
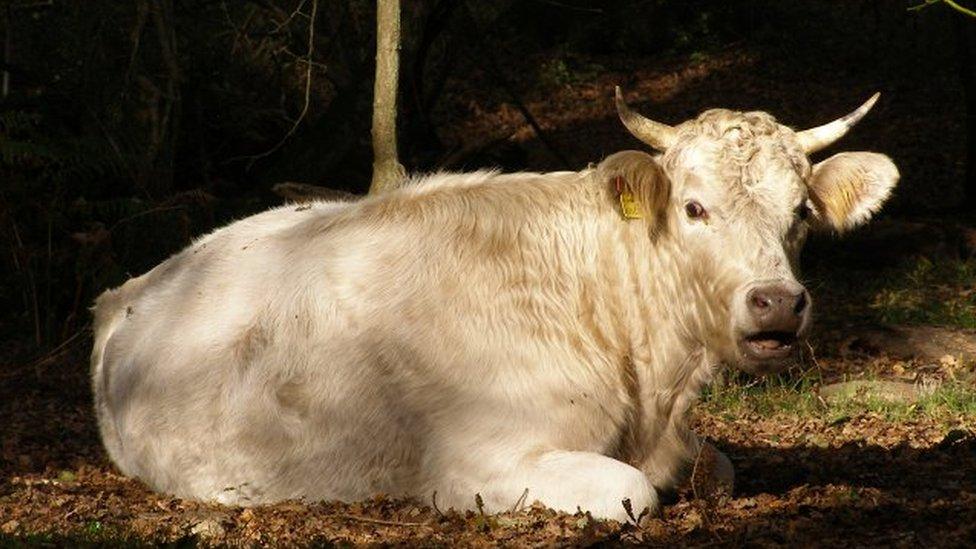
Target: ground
[(811, 469), (861, 444)]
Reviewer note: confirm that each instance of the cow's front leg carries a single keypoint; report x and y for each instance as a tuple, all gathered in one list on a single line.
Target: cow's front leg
[(712, 471), (681, 458), (565, 481)]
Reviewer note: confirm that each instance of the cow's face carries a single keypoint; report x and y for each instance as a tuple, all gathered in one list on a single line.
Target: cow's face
[(742, 198)]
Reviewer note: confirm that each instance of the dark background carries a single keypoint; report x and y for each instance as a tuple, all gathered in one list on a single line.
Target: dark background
[(128, 128)]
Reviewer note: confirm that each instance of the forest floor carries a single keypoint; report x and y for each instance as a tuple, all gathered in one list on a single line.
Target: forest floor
[(813, 467), (858, 445)]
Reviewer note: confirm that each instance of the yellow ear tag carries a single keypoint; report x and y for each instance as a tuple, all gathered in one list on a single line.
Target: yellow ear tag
[(629, 207)]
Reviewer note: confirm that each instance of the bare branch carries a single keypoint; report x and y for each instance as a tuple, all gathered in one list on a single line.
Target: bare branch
[(308, 93), (520, 501), (961, 9), (7, 41), (951, 3), (433, 503), (489, 58)]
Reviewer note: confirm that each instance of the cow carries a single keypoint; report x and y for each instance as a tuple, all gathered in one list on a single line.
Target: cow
[(523, 337)]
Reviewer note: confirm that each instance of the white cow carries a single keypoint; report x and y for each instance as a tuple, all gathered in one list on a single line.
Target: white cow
[(477, 333)]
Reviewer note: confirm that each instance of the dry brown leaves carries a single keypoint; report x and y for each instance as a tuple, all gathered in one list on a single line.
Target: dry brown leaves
[(799, 480)]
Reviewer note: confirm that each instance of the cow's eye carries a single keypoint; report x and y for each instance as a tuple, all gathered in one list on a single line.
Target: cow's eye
[(803, 211), (695, 210)]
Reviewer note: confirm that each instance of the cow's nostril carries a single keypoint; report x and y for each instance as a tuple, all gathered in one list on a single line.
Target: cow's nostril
[(801, 304), (760, 301)]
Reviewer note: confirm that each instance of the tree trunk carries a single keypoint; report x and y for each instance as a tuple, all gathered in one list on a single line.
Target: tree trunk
[(966, 35), (387, 170), (8, 21)]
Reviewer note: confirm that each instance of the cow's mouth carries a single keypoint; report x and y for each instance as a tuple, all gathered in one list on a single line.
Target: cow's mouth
[(769, 345)]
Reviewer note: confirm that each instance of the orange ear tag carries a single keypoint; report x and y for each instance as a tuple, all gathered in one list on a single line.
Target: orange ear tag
[(629, 207)]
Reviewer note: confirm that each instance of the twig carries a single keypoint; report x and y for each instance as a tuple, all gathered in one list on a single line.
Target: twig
[(629, 507), (433, 503), (520, 501), (704, 504), (121, 157), (135, 36), (31, 285), (960, 9), (813, 357), (308, 94), (381, 521), (270, 6), (951, 3), (458, 155), (143, 214), (293, 14), (30, 293), (694, 469), (299, 58), (7, 49), (301, 192), (47, 280), (240, 33), (56, 352), (923, 5), (492, 66)]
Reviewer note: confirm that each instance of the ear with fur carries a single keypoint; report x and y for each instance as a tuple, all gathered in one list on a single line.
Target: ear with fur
[(641, 176), (847, 188)]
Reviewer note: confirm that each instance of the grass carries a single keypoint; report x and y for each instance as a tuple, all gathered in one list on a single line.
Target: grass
[(799, 396), (915, 291), (93, 535), (849, 290), (923, 292)]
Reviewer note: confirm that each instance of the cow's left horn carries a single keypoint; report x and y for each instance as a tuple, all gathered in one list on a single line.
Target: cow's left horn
[(659, 136), (814, 139)]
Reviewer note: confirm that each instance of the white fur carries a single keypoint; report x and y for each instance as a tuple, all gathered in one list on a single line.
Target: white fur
[(308, 353), (469, 334)]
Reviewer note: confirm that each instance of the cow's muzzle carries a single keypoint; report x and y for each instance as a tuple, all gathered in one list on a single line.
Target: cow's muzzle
[(777, 315)]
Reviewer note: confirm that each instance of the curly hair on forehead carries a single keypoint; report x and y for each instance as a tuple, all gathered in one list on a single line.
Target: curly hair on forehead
[(745, 139), (717, 122)]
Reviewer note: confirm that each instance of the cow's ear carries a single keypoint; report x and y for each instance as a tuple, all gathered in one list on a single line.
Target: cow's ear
[(637, 175), (847, 188)]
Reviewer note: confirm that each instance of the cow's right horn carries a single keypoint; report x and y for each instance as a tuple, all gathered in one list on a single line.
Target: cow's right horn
[(821, 137), (659, 136)]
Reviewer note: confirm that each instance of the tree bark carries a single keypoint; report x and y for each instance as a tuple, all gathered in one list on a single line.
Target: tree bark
[(966, 36), (387, 170), (8, 21)]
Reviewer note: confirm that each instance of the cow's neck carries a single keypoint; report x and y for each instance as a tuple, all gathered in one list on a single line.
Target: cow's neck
[(662, 299), (668, 305)]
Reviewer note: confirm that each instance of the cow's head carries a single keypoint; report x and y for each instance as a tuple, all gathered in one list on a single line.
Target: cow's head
[(741, 196)]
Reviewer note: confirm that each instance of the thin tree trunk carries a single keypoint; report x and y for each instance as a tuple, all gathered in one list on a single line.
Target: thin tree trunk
[(7, 41), (966, 36), (387, 170)]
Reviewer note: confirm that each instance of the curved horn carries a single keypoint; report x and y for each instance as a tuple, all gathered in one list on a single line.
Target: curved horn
[(658, 136), (814, 139)]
